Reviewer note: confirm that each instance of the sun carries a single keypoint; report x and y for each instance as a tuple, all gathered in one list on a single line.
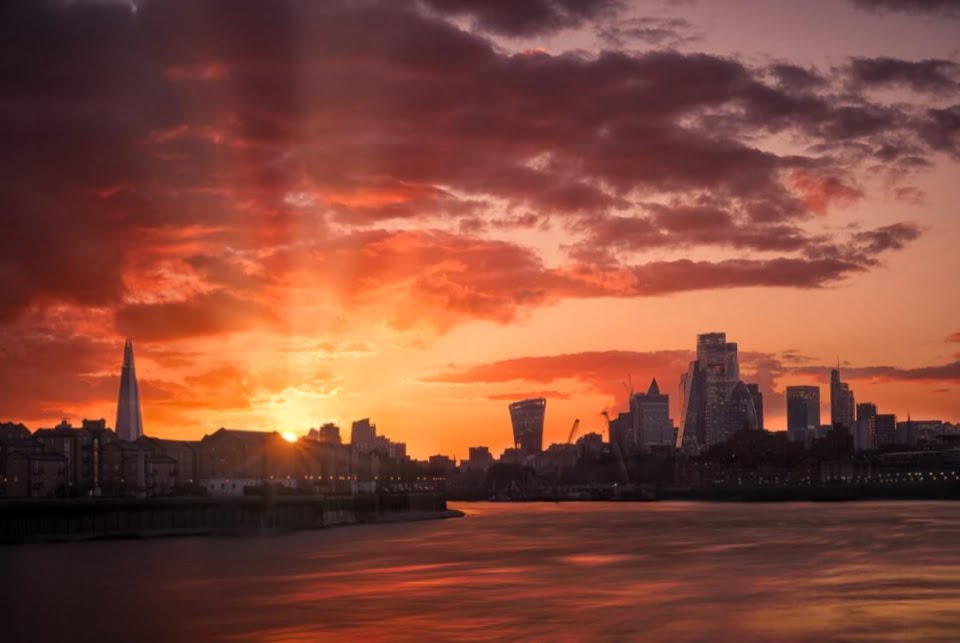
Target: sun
[(288, 436)]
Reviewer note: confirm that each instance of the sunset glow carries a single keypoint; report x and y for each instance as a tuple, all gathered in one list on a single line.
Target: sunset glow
[(419, 212)]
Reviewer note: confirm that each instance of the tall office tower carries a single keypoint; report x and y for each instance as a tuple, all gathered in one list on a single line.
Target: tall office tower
[(651, 417), (803, 412), (691, 436), (884, 429), (739, 412), (129, 425), (328, 433), (863, 437), (841, 401), (623, 433), (527, 419), (757, 397), (363, 436), (721, 371)]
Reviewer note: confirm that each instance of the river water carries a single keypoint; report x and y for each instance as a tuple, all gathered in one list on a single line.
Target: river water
[(572, 571)]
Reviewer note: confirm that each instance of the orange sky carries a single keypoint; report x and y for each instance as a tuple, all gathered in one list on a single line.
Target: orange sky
[(420, 211)]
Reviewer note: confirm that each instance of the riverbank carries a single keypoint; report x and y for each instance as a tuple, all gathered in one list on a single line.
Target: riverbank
[(38, 521), (839, 492)]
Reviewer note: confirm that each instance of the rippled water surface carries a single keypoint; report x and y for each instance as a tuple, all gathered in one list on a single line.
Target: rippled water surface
[(677, 571)]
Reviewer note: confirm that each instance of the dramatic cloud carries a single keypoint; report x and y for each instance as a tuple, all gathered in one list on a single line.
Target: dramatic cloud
[(191, 172), (646, 29), (510, 397), (948, 8), (215, 134), (525, 17), (935, 76), (207, 314), (939, 372), (604, 372)]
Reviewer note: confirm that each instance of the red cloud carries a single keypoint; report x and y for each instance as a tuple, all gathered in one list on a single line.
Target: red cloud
[(819, 191)]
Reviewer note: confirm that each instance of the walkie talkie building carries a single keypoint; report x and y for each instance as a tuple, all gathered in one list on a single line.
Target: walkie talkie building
[(527, 419)]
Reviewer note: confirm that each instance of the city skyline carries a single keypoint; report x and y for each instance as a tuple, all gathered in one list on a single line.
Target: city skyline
[(418, 212), (714, 405)]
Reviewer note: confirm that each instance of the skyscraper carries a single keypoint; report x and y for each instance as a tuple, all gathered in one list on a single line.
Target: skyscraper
[(803, 412), (651, 417), (884, 429), (527, 418), (864, 438), (129, 424), (363, 436), (739, 412), (691, 436), (757, 396), (705, 389), (841, 401), (721, 372)]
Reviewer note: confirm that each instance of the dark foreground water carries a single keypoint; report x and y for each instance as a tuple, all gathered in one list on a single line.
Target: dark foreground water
[(657, 571)]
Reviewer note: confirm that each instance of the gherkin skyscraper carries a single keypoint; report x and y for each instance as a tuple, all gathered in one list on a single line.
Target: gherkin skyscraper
[(129, 423)]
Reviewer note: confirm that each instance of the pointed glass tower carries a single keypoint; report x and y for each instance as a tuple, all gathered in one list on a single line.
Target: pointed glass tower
[(129, 423)]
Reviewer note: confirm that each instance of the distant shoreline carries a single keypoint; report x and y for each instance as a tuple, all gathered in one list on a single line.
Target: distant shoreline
[(820, 493), (77, 520)]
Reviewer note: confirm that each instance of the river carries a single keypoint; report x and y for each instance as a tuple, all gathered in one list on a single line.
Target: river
[(573, 571)]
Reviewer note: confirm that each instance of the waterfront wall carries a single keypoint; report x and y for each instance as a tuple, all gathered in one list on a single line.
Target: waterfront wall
[(28, 521)]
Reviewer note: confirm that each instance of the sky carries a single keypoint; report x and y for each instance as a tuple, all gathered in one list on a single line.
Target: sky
[(419, 211)]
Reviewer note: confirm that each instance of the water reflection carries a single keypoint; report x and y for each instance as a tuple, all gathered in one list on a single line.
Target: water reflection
[(678, 571)]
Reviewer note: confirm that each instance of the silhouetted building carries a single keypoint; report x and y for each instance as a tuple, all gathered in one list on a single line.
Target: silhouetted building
[(884, 429), (527, 417), (441, 466), (11, 431), (757, 397), (650, 413), (363, 436), (907, 432), (231, 453), (77, 446), (739, 412), (841, 402), (705, 389), (397, 450), (721, 372), (328, 433), (864, 438), (691, 437), (480, 460), (183, 453), (623, 433), (803, 412), (129, 424), (26, 471)]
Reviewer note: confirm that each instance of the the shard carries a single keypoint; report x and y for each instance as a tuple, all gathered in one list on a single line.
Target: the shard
[(129, 422)]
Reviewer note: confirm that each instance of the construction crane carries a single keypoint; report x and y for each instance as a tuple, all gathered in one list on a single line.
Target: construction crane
[(573, 430)]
